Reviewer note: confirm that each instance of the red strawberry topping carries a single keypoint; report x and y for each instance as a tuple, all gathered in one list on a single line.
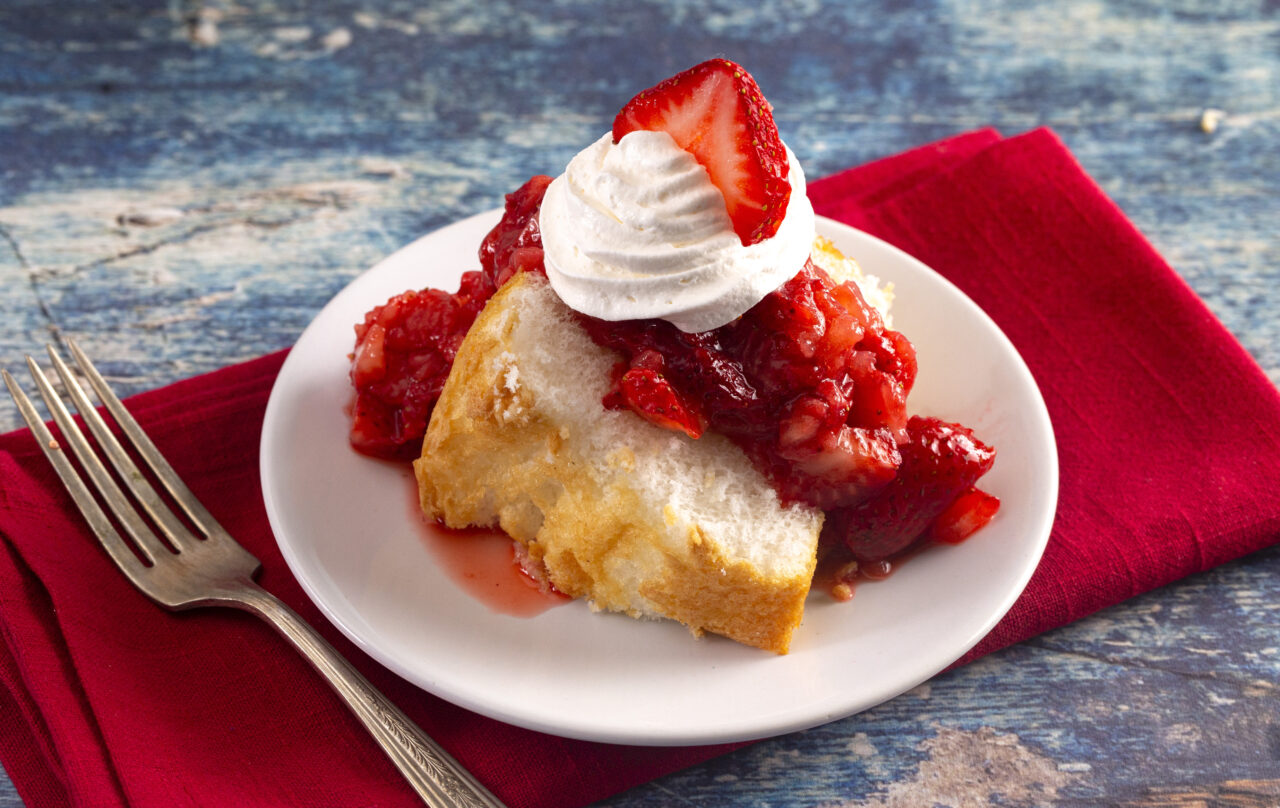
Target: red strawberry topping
[(515, 245), (940, 462), (404, 349), (652, 397), (810, 382), (965, 515), (715, 111)]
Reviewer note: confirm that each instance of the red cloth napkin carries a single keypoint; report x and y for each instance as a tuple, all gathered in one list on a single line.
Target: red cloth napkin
[(1168, 432), (1169, 442)]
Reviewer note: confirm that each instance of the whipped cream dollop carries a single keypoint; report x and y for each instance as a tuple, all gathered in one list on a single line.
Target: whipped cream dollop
[(635, 229)]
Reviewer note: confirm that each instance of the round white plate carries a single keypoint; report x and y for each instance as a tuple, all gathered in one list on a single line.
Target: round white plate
[(345, 524)]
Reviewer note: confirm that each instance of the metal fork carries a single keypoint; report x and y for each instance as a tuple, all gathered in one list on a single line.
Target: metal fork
[(213, 570)]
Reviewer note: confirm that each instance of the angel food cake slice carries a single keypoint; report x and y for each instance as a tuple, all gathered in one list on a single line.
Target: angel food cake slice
[(633, 518)]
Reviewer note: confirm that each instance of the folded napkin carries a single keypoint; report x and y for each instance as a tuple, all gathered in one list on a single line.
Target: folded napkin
[(1169, 442), (1168, 432)]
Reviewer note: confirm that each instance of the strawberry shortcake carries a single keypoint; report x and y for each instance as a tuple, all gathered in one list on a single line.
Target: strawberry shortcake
[(670, 393)]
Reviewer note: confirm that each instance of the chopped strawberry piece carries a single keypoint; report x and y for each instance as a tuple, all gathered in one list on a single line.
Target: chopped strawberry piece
[(844, 464), (895, 355), (967, 513), (369, 363), (403, 352), (940, 461), (880, 401), (715, 111), (653, 398)]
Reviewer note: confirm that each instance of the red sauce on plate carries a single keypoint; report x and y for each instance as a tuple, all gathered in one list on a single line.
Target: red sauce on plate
[(839, 576), (482, 562)]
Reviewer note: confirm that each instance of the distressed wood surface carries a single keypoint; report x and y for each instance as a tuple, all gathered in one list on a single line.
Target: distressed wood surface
[(184, 184)]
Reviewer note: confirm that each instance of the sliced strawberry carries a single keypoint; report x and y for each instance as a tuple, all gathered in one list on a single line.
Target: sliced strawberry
[(653, 398), (715, 111), (878, 401), (966, 514), (940, 461), (837, 465)]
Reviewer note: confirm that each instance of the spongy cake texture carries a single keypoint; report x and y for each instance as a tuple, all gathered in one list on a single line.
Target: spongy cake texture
[(629, 516)]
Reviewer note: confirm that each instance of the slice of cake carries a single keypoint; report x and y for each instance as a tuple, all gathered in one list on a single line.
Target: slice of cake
[(631, 517)]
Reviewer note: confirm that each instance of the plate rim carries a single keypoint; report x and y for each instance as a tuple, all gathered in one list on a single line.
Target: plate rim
[(574, 726)]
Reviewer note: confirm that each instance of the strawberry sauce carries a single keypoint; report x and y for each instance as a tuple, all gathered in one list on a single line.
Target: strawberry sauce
[(809, 383), (482, 562)]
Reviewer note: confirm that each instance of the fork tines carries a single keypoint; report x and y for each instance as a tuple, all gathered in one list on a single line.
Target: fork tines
[(145, 539)]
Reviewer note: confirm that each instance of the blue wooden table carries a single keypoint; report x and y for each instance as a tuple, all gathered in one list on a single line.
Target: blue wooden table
[(184, 184)]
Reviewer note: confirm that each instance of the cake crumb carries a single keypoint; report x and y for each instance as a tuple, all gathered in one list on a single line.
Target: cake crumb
[(509, 401), (505, 364), (622, 458)]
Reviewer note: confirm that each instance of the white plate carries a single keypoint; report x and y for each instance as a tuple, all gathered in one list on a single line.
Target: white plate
[(346, 527)]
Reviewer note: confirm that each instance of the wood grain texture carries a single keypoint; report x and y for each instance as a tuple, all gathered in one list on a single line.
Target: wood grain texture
[(184, 184)]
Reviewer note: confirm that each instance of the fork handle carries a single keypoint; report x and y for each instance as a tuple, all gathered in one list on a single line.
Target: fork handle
[(438, 779)]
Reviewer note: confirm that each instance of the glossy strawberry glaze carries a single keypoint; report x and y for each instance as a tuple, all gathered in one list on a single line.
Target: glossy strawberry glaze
[(809, 383)]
